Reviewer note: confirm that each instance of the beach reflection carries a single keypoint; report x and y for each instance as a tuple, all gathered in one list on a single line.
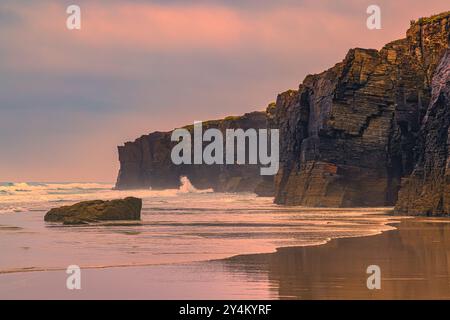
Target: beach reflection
[(414, 262)]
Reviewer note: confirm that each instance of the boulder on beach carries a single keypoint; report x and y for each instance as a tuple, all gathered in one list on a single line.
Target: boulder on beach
[(97, 210)]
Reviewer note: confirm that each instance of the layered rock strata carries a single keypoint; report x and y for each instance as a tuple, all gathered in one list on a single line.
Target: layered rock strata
[(427, 190), (146, 162), (348, 135)]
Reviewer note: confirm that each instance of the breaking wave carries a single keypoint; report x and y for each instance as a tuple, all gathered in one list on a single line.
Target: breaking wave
[(26, 196), (12, 209), (187, 187), (46, 188)]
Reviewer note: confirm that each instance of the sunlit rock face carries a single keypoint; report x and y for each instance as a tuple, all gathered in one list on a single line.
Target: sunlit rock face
[(349, 134), (427, 190)]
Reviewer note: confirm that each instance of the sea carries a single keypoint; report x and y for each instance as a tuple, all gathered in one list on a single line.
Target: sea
[(177, 227)]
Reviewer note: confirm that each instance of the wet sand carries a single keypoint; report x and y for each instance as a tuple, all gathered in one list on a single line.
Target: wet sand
[(414, 262)]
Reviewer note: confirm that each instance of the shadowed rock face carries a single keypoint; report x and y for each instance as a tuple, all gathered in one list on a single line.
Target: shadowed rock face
[(97, 210), (427, 190), (348, 135), (146, 162)]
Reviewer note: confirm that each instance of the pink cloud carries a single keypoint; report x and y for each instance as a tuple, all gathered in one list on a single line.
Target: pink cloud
[(182, 28), (258, 53), (117, 27)]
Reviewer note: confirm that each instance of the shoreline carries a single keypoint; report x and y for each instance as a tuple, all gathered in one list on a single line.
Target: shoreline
[(239, 256), (412, 258), (212, 260)]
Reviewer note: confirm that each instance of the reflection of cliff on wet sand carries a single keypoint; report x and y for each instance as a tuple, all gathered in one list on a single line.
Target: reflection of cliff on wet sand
[(414, 262)]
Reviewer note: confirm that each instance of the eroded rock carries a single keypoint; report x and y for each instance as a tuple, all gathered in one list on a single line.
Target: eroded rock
[(146, 162), (97, 210), (427, 190), (349, 134)]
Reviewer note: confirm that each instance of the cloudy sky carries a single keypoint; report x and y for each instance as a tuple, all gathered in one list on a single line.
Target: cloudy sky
[(68, 98)]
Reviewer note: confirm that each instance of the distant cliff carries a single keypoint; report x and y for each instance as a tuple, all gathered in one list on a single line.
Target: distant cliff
[(146, 163), (349, 136)]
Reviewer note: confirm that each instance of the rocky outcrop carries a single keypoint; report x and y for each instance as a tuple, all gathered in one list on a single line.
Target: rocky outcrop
[(348, 135), (427, 190), (97, 210), (146, 163)]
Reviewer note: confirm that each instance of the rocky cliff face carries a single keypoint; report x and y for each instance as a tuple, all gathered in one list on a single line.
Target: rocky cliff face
[(146, 163), (348, 135), (427, 190)]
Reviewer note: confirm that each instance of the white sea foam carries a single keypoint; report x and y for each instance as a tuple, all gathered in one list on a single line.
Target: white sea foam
[(187, 187), (18, 197), (56, 192), (12, 209)]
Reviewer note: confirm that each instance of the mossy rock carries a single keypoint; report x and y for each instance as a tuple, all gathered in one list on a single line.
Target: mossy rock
[(97, 210)]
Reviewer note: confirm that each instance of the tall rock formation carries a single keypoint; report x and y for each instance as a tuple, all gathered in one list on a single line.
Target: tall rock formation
[(146, 163), (348, 134), (427, 190)]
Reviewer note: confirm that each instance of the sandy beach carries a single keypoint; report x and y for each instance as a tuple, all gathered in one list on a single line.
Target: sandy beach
[(414, 263), (413, 260), (225, 150)]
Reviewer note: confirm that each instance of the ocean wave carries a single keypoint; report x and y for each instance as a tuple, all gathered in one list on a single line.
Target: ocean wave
[(187, 187), (64, 189), (23, 194), (28, 194), (12, 210), (12, 188)]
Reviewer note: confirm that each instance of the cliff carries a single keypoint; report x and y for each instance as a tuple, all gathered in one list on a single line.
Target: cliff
[(348, 135), (146, 163), (427, 190), (354, 135)]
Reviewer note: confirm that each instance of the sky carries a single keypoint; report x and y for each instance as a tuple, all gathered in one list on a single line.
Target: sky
[(68, 98)]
